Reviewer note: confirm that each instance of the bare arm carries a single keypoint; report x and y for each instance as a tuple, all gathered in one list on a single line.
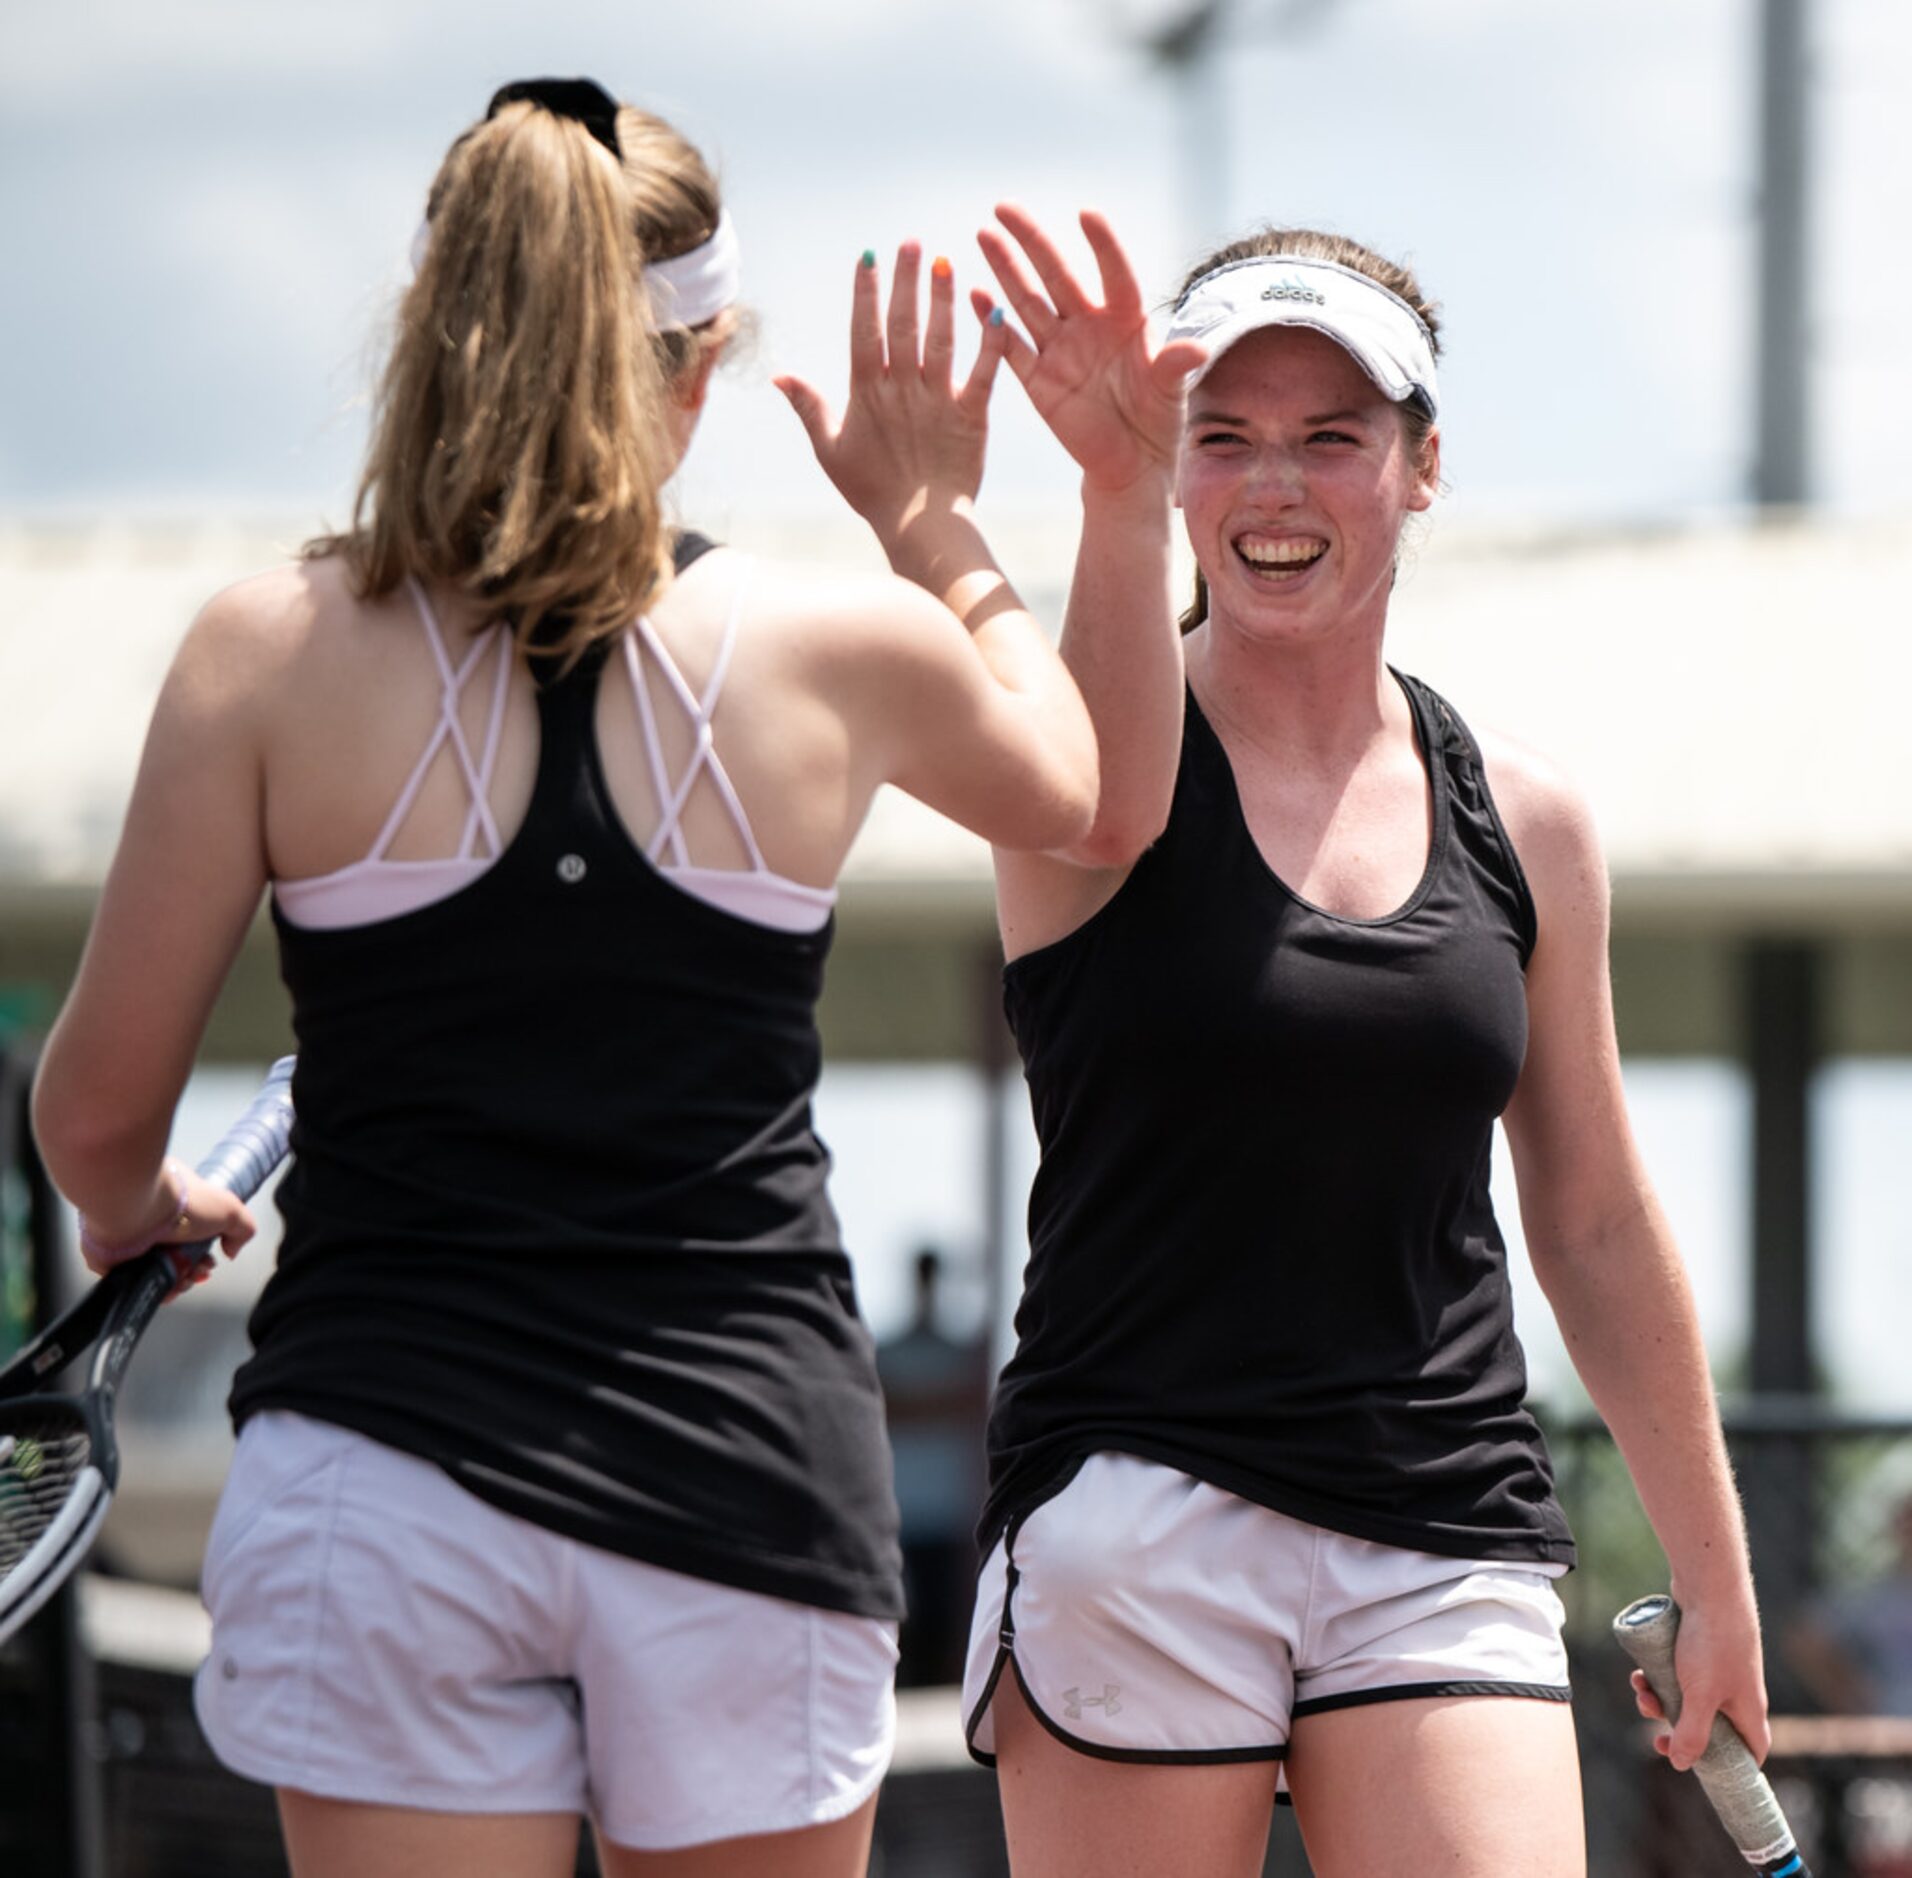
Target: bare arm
[(178, 898), (1117, 408), (1605, 1256), (974, 728)]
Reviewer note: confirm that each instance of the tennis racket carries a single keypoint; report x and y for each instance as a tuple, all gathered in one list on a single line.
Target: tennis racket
[(1739, 1792), (59, 1462)]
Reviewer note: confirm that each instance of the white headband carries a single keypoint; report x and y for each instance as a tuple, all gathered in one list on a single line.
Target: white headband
[(689, 289), (1382, 333), (684, 291)]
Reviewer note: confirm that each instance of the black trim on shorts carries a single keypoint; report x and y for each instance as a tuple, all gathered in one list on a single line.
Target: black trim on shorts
[(1412, 1691), (1006, 1654)]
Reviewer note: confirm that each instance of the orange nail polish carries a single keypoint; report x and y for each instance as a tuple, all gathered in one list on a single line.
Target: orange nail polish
[(940, 268)]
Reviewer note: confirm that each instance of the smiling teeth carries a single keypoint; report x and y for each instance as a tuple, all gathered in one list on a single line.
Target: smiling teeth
[(1282, 553)]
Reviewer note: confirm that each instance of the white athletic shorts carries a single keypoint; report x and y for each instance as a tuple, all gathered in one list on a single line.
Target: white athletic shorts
[(1151, 1617), (382, 1635)]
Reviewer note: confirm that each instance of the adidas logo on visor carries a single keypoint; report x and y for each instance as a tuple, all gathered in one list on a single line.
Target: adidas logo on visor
[(1292, 289)]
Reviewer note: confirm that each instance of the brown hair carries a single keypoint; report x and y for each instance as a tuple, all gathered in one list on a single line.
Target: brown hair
[(1314, 244), (519, 440)]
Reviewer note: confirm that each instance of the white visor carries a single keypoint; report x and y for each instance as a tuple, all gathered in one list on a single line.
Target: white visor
[(1380, 331), (689, 289)]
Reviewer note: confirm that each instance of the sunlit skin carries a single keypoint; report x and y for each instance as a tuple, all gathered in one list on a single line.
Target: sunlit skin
[(1289, 449), (1295, 475)]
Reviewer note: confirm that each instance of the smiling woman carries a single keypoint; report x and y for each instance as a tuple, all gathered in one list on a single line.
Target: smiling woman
[(1292, 271), (1266, 1503)]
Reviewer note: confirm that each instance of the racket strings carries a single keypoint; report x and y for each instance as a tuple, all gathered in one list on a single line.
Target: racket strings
[(42, 1461)]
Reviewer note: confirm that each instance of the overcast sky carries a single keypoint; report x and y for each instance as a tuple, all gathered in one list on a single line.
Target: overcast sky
[(206, 204)]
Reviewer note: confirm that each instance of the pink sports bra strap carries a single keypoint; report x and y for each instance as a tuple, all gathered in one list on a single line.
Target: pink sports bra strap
[(448, 727), (703, 758)]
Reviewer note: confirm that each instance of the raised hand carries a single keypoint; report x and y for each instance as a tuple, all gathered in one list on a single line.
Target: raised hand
[(908, 441), (1114, 406)]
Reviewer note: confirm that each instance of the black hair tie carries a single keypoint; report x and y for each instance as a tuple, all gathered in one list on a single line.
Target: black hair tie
[(582, 100)]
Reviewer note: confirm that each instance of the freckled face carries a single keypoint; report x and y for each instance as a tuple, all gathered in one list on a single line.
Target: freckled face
[(1295, 478)]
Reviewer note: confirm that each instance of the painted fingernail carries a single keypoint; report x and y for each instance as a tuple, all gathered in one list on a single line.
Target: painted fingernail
[(940, 269), (867, 258), (995, 316)]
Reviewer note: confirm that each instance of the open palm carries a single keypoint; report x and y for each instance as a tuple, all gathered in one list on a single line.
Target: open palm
[(1114, 406), (909, 439)]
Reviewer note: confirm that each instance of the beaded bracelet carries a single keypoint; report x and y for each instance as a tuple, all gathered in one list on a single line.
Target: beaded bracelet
[(100, 1253)]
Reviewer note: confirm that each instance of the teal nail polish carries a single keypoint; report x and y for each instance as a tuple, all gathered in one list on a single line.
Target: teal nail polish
[(867, 258), (995, 316)]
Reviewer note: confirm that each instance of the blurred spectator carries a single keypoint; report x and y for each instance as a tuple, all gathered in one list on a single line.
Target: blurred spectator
[(1853, 1647), (936, 1390)]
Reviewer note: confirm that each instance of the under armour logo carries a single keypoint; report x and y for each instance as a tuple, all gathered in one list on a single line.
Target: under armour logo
[(1109, 1701), (571, 869)]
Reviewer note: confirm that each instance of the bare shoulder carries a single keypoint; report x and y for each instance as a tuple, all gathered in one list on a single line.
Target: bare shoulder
[(1547, 817), (275, 614), (831, 616), (245, 637)]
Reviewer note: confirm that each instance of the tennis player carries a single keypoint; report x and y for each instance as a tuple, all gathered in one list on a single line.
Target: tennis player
[(561, 1485), (1265, 1498)]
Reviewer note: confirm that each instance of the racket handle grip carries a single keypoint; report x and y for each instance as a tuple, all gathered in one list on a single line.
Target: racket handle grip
[(1740, 1793), (256, 1143)]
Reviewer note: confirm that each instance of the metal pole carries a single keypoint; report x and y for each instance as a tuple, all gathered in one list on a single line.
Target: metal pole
[(1782, 463), (1783, 998), (995, 1054), (1189, 49), (1202, 94), (1778, 1476)]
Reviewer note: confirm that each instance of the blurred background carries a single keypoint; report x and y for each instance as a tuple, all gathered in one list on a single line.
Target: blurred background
[(1667, 239)]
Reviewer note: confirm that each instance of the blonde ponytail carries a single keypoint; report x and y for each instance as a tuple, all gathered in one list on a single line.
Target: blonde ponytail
[(519, 442)]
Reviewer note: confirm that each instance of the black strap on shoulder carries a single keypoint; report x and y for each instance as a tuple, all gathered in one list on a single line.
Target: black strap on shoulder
[(689, 547)]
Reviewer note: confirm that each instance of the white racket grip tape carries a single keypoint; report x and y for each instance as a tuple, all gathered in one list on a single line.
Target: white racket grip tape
[(256, 1143), (1740, 1793)]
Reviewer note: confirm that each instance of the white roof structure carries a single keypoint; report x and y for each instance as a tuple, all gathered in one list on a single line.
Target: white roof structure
[(1733, 697)]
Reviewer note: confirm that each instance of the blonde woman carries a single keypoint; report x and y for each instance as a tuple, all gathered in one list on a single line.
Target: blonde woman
[(561, 1485)]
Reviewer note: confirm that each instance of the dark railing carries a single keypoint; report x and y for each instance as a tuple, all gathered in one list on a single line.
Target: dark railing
[(50, 1795), (1821, 1489)]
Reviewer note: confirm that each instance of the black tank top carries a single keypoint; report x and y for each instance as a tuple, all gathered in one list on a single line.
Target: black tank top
[(556, 1217), (1262, 1245)]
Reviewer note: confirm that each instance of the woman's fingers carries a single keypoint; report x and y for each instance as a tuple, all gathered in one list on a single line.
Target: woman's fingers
[(812, 413), (236, 1229), (904, 341), (1754, 1728), (866, 322), (939, 336), (1022, 356), (1175, 361), (1121, 291), (997, 338), (1031, 308), (1065, 293)]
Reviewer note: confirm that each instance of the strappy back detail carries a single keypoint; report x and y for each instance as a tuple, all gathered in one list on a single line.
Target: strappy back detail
[(379, 887), (756, 892), (703, 758)]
